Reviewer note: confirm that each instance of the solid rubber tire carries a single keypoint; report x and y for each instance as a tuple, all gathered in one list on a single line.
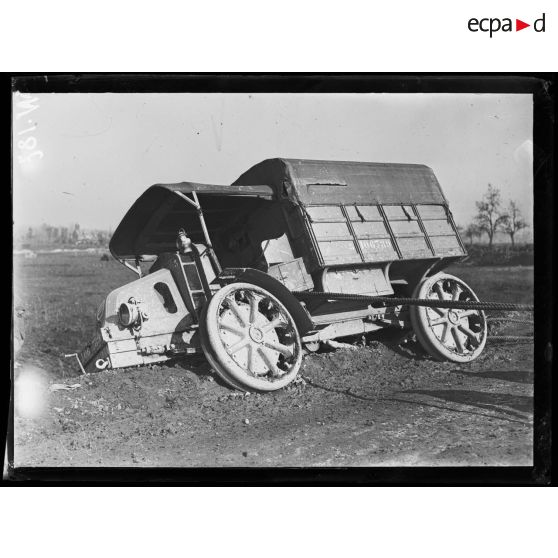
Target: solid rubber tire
[(217, 356), (421, 327)]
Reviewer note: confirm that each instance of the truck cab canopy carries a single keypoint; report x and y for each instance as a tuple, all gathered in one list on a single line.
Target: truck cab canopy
[(150, 226)]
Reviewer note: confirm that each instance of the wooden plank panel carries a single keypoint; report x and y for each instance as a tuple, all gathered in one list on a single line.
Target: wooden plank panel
[(446, 245), (292, 274), (406, 228), (432, 211), (438, 227), (325, 213), (277, 250), (370, 229), (396, 213), (357, 281), (378, 250), (336, 242), (414, 247), (339, 252), (369, 212), (332, 230)]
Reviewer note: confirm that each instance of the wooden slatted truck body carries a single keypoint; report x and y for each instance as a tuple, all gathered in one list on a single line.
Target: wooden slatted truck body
[(243, 272)]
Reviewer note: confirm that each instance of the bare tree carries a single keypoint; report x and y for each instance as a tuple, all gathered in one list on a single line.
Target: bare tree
[(514, 221), (489, 219)]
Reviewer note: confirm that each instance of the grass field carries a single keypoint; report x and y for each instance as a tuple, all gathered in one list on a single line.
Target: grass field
[(499, 284), (61, 293), (500, 254)]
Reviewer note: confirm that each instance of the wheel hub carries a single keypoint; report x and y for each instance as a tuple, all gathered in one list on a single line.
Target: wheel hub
[(256, 334), (453, 318)]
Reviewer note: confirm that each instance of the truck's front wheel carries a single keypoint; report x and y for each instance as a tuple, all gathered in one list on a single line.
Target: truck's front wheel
[(250, 338)]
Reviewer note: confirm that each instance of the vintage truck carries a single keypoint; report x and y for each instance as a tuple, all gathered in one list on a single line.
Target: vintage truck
[(292, 254)]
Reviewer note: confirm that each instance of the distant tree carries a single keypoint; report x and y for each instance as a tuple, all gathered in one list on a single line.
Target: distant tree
[(514, 221), (75, 233), (472, 231), (489, 218)]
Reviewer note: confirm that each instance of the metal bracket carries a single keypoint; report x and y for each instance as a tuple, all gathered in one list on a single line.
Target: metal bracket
[(136, 270), (79, 361)]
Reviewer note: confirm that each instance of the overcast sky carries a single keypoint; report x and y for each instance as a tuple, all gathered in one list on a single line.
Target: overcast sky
[(101, 151)]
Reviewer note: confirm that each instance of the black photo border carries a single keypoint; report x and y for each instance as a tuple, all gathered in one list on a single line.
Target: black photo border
[(543, 88)]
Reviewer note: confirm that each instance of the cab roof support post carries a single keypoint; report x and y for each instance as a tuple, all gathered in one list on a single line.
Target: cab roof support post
[(216, 265), (202, 220), (196, 203)]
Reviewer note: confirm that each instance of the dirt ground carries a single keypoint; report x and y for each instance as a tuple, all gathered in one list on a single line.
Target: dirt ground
[(380, 404)]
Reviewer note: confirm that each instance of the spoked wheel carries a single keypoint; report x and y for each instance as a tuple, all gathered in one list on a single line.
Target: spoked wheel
[(250, 338), (448, 334)]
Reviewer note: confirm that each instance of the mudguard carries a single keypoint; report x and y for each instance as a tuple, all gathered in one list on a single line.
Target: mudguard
[(276, 288)]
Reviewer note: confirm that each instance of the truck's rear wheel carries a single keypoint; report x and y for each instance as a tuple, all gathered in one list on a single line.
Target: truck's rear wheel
[(250, 338), (448, 334)]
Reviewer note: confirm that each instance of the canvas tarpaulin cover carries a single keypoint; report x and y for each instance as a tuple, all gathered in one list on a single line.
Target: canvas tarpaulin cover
[(346, 182)]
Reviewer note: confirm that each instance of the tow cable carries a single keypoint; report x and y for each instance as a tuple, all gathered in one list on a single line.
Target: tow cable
[(383, 301)]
